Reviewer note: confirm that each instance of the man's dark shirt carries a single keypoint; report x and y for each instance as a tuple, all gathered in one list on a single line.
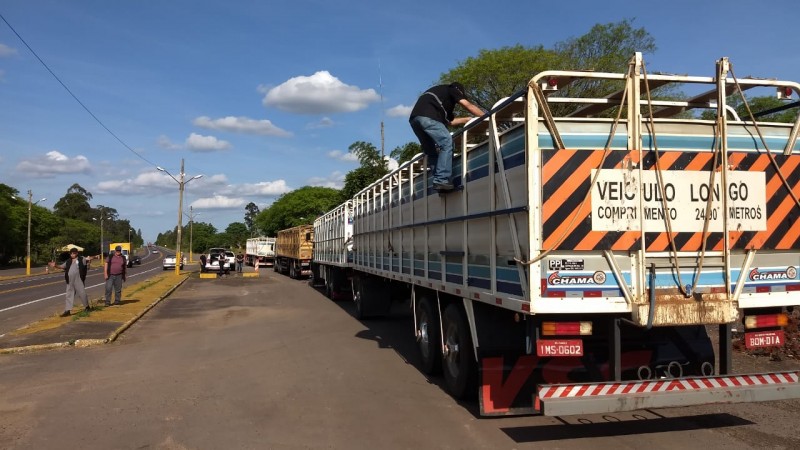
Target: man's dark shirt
[(428, 106)]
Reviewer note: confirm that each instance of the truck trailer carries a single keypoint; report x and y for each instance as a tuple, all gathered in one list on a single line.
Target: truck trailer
[(333, 255), (261, 251), (293, 249), (591, 248)]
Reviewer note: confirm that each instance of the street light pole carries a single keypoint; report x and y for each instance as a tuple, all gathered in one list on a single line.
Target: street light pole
[(28, 252), (102, 252), (181, 184)]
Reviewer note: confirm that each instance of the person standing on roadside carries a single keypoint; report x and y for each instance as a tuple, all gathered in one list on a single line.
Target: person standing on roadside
[(239, 262), (114, 274), (75, 269)]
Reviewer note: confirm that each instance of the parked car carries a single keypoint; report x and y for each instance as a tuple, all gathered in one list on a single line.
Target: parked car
[(169, 262), (218, 263)]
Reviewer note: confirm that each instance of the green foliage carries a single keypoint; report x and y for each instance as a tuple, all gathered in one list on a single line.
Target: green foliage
[(757, 104), (496, 74), (75, 204), (358, 179), (251, 211), (298, 207), (237, 234), (405, 152)]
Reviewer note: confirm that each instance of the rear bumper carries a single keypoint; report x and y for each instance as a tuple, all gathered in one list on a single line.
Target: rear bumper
[(593, 398)]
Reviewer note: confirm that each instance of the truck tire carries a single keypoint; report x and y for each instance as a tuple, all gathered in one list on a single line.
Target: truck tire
[(292, 271), (428, 337), (358, 298), (458, 362), (329, 288)]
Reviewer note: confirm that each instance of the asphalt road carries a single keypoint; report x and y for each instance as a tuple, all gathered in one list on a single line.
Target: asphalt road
[(270, 363), (27, 299)]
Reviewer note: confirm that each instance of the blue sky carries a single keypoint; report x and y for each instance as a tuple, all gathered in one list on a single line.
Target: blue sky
[(262, 97)]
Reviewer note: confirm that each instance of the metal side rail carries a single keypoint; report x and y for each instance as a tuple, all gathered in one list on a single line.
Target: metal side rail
[(608, 397)]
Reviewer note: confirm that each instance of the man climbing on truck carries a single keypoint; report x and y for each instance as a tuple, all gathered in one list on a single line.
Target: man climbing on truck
[(431, 116)]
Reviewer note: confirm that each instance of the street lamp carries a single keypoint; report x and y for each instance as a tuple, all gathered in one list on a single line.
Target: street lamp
[(102, 252), (181, 185), (28, 251), (129, 234)]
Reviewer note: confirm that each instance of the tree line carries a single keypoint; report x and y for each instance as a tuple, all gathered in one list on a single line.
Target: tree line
[(72, 221)]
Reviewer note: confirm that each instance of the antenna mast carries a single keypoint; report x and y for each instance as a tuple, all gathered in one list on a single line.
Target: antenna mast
[(380, 84)]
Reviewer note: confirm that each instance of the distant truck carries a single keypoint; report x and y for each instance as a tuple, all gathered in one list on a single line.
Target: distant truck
[(293, 249), (261, 251), (126, 251)]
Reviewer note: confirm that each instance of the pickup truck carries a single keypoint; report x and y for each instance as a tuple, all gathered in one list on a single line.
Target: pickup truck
[(217, 262)]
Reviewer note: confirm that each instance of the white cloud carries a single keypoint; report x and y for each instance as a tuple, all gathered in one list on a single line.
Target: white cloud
[(264, 188), (145, 182), (219, 202), (244, 125), (199, 143), (165, 143), (7, 51), (334, 180), (342, 156), (54, 163), (320, 93), (399, 111), (325, 122)]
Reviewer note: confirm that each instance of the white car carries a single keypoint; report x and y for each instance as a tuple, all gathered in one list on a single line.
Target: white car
[(169, 262)]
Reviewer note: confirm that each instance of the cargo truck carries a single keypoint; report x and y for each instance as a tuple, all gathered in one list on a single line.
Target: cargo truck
[(261, 251), (591, 248), (293, 249)]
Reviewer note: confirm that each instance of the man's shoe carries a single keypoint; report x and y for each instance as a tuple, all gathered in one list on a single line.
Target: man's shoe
[(443, 186), (116, 304), (107, 305), (64, 314), (88, 308)]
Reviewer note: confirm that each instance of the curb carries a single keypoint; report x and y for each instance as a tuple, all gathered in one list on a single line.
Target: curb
[(81, 343)]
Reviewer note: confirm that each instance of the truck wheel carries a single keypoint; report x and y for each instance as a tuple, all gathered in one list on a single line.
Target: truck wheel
[(292, 273), (458, 362), (329, 288), (428, 341)]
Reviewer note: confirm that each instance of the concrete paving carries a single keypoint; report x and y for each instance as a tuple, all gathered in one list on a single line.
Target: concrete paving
[(101, 324)]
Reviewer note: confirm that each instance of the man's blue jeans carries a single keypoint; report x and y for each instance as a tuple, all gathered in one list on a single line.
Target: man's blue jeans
[(438, 146)]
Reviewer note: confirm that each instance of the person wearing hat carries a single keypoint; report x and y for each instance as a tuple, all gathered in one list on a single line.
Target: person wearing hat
[(75, 269), (429, 119), (114, 274)]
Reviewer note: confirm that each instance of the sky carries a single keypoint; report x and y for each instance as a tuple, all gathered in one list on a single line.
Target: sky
[(264, 97)]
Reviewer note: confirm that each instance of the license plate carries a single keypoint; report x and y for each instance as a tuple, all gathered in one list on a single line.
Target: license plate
[(764, 339), (559, 347)]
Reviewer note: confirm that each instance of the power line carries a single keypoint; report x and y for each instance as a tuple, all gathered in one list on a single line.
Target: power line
[(74, 96)]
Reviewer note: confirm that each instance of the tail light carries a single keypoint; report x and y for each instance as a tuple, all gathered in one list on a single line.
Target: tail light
[(566, 328), (766, 321)]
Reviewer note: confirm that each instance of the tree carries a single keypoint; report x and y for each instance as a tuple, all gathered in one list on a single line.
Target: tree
[(75, 204), (237, 234), (405, 152), (373, 167), (250, 216), (298, 207), (495, 74)]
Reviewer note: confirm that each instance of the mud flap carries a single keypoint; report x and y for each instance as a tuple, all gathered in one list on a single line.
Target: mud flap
[(507, 389)]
